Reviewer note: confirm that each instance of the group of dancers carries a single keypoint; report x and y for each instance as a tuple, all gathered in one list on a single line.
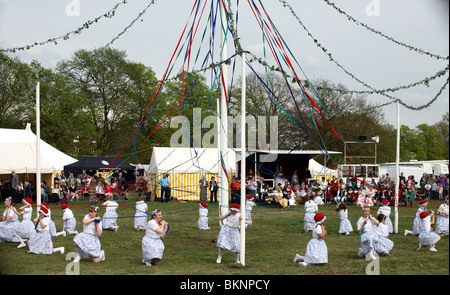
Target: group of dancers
[(374, 231)]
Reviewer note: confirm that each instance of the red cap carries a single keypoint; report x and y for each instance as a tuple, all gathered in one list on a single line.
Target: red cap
[(43, 210), (29, 200), (203, 204), (64, 206), (249, 197), (318, 217), (423, 214), (423, 202), (235, 207), (385, 202)]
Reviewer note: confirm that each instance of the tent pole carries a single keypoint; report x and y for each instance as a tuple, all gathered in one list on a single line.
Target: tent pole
[(38, 149), (243, 154)]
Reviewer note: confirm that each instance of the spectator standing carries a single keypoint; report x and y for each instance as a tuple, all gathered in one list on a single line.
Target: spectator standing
[(165, 188)]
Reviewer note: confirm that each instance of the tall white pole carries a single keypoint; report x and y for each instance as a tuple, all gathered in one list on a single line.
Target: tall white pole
[(243, 154), (397, 170), (223, 184), (38, 149)]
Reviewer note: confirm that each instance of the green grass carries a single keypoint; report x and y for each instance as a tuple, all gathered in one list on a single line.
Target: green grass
[(271, 244)]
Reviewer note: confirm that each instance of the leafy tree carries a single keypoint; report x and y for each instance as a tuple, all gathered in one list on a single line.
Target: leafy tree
[(111, 90), (17, 87)]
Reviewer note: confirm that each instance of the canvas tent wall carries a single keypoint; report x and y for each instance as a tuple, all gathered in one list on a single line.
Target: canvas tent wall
[(185, 167), (18, 152)]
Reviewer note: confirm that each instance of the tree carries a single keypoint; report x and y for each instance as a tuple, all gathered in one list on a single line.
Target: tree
[(443, 128), (111, 90), (16, 89)]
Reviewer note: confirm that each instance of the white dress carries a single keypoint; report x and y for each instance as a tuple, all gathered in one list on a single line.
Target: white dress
[(203, 219), (426, 236), (345, 225), (248, 211), (152, 246), (383, 245), (417, 224), (140, 217), (26, 228), (229, 237), (51, 224), (88, 241), (8, 228), (110, 217), (386, 211), (70, 222), (316, 250), (41, 241), (442, 221), (368, 237), (310, 210)]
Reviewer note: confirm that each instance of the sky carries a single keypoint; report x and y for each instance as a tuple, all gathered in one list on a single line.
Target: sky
[(423, 24)]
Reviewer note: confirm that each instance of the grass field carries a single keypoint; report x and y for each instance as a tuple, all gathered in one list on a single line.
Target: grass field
[(271, 244)]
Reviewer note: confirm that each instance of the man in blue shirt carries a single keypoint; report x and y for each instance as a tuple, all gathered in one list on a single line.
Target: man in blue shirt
[(165, 189)]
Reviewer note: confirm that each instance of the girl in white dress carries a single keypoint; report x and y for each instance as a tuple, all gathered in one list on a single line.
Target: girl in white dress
[(140, 217), (386, 211), (69, 220), (110, 216), (368, 237), (442, 219), (152, 246), (311, 209), (318, 199), (203, 217), (87, 244), (383, 245), (316, 250), (417, 224), (229, 237), (249, 204), (26, 228), (345, 227), (426, 236), (41, 242), (51, 224), (10, 223)]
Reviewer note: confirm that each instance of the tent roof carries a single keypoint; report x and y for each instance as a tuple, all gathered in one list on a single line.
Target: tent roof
[(18, 152), (188, 160), (319, 169), (98, 163)]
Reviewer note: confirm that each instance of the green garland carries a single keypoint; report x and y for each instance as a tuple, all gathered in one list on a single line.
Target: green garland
[(373, 90), (66, 36), (418, 50)]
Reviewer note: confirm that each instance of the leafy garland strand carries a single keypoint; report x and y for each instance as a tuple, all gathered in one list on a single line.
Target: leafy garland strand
[(66, 36), (382, 92), (421, 51)]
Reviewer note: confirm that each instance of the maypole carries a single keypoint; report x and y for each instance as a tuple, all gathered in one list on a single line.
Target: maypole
[(243, 154), (223, 181), (397, 170)]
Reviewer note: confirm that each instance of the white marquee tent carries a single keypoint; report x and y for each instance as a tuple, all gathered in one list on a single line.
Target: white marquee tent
[(18, 152)]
